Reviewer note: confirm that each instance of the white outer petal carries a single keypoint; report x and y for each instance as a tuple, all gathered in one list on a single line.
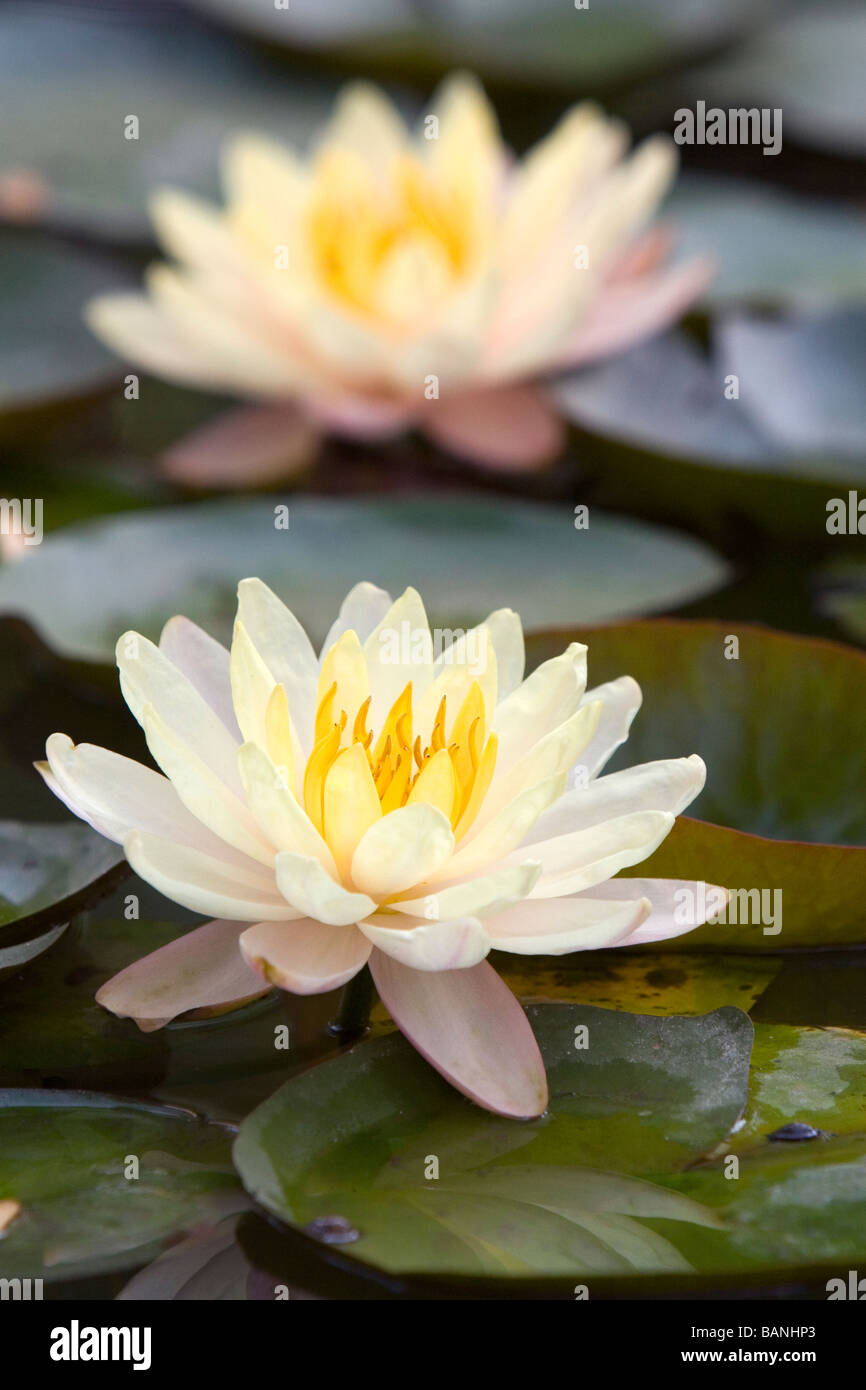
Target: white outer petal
[(666, 785), (572, 863), (620, 701), (116, 795), (557, 926), (148, 677), (285, 649), (205, 662), (452, 945), (309, 888), (205, 884), (361, 611), (507, 884)]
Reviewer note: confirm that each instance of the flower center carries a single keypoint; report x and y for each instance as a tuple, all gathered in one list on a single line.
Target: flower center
[(453, 774), (388, 246)]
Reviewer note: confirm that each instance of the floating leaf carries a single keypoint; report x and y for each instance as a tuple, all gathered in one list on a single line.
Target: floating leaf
[(69, 84), (48, 873), (675, 984), (842, 594), (354, 1137), (47, 353), (605, 42), (798, 411), (794, 1202), (64, 1158), (83, 587), (782, 811), (771, 247), (813, 1075), (811, 65)]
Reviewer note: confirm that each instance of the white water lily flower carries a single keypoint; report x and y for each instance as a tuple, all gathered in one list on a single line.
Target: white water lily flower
[(383, 804), (395, 279)]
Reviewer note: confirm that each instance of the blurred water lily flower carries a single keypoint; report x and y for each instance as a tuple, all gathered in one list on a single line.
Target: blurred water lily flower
[(398, 801), (395, 280)]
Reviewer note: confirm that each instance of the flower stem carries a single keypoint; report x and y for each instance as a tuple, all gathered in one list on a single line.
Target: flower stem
[(353, 1015)]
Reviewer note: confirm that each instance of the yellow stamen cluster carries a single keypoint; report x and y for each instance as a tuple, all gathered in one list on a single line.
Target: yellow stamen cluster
[(453, 775), (358, 227)]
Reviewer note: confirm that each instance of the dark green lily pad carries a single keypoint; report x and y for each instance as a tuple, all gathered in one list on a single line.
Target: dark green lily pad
[(47, 873), (605, 42), (63, 1158), (354, 1138), (783, 809), (47, 353), (83, 587), (841, 593), (68, 83)]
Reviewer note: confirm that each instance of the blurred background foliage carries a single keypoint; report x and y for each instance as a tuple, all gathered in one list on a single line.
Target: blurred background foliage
[(652, 436)]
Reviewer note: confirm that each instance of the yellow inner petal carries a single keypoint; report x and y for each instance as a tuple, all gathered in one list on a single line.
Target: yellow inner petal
[(364, 232), (343, 795)]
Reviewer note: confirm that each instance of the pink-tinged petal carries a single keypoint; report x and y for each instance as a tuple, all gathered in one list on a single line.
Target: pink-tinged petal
[(511, 427), (305, 957), (361, 417), (9, 1209), (454, 945), (469, 1026), (117, 795), (677, 905), (629, 310), (203, 969), (645, 253), (558, 926), (204, 662), (244, 448)]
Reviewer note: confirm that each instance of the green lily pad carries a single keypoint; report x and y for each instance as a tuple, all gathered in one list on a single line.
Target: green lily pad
[(355, 1136), (782, 811), (679, 983), (799, 412), (605, 42), (842, 595), (812, 1076), (811, 65), (47, 873), (794, 1201), (65, 1156), (47, 353), (69, 83), (770, 247), (82, 587)]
